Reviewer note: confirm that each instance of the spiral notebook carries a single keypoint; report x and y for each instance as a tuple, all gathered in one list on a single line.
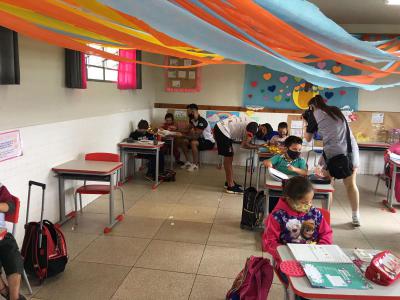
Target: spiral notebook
[(327, 266)]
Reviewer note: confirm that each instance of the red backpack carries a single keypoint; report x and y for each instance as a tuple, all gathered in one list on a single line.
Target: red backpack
[(254, 281), (44, 249)]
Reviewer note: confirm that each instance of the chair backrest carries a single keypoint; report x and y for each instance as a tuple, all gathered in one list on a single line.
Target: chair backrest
[(103, 156), (13, 218), (326, 214)]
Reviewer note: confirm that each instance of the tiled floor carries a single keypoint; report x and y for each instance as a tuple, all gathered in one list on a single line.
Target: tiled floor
[(183, 241)]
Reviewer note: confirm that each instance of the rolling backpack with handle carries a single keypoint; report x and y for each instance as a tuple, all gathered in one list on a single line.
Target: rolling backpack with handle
[(44, 249), (253, 203)]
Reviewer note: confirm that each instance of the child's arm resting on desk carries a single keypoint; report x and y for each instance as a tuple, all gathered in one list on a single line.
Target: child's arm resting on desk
[(325, 234), (270, 238)]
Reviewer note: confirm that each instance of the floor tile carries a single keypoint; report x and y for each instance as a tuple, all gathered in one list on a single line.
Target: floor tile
[(85, 281), (140, 227), (122, 251), (77, 242), (101, 205), (276, 292), (228, 215), (145, 284), (194, 213), (210, 288), (171, 256), (183, 231), (87, 223), (232, 201), (223, 261), (151, 210), (231, 235)]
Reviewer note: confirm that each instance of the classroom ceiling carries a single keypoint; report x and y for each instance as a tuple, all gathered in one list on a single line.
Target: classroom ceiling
[(359, 11)]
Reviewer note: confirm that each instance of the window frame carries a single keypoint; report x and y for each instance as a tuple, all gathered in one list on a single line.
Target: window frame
[(103, 67)]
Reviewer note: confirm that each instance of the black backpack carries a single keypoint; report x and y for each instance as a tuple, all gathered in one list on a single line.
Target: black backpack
[(253, 204)]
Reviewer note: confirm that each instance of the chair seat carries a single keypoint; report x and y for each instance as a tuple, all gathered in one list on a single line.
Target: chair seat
[(95, 189)]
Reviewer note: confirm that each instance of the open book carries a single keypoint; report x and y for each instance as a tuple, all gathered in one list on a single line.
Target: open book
[(277, 175), (327, 266)]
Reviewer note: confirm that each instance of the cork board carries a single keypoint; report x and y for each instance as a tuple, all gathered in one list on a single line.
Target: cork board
[(365, 130), (181, 80)]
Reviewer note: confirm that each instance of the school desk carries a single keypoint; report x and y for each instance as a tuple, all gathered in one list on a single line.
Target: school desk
[(126, 148), (373, 146), (90, 171), (321, 192), (261, 156), (392, 194), (301, 286)]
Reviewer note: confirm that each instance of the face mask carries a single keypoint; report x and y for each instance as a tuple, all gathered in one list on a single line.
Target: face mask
[(293, 154), (299, 207)]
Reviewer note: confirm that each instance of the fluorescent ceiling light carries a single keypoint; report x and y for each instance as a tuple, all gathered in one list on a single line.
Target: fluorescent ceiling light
[(392, 2)]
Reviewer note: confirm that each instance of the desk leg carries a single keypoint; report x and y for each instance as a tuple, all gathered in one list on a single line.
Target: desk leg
[(172, 154), (61, 199), (119, 218), (258, 172), (392, 194), (156, 183)]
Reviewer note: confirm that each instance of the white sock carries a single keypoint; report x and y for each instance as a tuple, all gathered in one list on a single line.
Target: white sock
[(356, 214)]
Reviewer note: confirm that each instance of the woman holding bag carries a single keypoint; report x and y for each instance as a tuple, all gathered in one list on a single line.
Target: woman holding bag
[(340, 158)]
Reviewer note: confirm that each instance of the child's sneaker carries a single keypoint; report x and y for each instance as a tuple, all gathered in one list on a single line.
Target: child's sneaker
[(186, 165), (356, 221), (234, 190), (193, 167), (235, 183)]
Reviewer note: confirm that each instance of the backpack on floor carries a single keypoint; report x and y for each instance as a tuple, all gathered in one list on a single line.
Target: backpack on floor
[(44, 249), (254, 281), (253, 205)]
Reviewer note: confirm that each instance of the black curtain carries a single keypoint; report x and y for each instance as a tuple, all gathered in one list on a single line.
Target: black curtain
[(9, 57), (74, 77), (138, 70)]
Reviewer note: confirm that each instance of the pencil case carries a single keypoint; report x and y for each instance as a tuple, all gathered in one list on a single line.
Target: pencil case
[(384, 268)]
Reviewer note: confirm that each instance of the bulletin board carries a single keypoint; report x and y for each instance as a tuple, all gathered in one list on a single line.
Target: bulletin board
[(181, 80), (296, 125), (369, 126)]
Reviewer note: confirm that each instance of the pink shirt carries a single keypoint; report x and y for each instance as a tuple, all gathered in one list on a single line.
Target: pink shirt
[(285, 225)]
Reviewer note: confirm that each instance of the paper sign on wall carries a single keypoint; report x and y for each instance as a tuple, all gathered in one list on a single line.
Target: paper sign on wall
[(377, 118), (10, 145)]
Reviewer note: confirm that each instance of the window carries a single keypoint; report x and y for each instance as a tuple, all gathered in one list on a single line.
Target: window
[(102, 69)]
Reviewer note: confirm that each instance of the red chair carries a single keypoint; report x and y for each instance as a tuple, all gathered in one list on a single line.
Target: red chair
[(13, 219), (97, 189), (326, 214)]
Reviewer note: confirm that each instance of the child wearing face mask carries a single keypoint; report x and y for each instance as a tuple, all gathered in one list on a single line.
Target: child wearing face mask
[(279, 139), (295, 220), (290, 161)]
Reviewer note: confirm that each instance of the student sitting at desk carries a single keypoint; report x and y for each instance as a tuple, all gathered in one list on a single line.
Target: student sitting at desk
[(282, 135), (142, 133), (295, 220), (290, 161), (169, 124), (10, 257)]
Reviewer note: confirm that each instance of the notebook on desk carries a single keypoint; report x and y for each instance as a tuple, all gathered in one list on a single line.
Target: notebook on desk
[(277, 175), (327, 266)]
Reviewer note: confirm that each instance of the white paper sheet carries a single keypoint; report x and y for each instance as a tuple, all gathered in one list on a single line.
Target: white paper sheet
[(377, 118), (319, 253)]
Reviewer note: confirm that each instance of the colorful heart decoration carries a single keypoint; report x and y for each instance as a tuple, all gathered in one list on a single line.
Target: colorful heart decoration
[(297, 79), (283, 79), (262, 90), (288, 94), (267, 76), (250, 96), (254, 83), (287, 99), (281, 91), (342, 92), (321, 65), (272, 88), (278, 98), (329, 95), (336, 69)]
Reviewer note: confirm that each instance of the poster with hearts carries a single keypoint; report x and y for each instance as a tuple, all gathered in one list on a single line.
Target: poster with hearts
[(271, 89)]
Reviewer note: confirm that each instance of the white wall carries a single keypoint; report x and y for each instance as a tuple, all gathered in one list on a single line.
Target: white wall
[(42, 98), (59, 124)]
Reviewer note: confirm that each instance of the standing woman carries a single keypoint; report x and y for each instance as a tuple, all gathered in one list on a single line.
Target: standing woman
[(341, 155)]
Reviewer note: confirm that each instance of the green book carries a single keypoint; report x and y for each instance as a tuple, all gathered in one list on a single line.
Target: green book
[(335, 275)]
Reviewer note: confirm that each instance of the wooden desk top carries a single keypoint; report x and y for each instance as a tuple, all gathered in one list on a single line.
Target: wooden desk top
[(88, 167), (302, 287), (319, 188), (373, 145), (138, 145)]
